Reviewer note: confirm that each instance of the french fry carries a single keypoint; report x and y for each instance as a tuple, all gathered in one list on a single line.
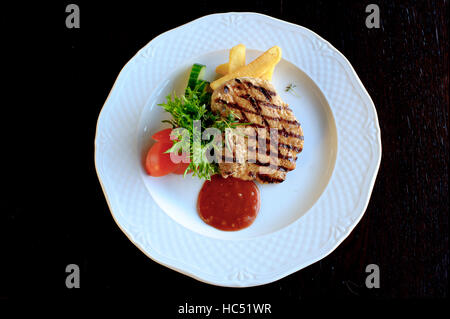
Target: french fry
[(256, 68), (237, 58), (268, 75), (222, 69)]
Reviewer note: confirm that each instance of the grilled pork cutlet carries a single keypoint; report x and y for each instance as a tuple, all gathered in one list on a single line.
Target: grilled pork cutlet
[(256, 102)]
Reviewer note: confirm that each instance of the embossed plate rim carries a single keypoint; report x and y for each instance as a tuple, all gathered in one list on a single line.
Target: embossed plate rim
[(236, 275)]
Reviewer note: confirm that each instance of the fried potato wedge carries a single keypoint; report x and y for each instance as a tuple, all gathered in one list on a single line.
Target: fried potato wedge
[(235, 61), (222, 69), (237, 58), (261, 65), (268, 75)]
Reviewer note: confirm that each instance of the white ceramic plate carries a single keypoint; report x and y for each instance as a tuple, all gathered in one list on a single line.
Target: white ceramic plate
[(301, 220)]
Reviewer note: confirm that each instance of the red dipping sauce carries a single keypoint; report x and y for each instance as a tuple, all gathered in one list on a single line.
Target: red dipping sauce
[(228, 203)]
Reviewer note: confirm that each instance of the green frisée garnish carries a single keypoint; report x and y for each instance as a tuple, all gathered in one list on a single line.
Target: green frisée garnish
[(195, 105)]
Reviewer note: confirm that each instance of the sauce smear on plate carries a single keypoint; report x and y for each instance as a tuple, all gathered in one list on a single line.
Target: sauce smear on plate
[(228, 203)]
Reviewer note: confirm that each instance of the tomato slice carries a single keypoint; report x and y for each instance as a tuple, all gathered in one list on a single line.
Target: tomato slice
[(158, 163), (181, 168), (163, 136)]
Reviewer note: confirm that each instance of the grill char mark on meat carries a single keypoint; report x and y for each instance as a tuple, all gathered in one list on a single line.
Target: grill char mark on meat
[(261, 107), (258, 110), (267, 93), (290, 147), (294, 148), (259, 163), (240, 108), (269, 179), (280, 156)]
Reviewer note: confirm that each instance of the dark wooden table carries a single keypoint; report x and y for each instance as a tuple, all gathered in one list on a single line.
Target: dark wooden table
[(57, 213)]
